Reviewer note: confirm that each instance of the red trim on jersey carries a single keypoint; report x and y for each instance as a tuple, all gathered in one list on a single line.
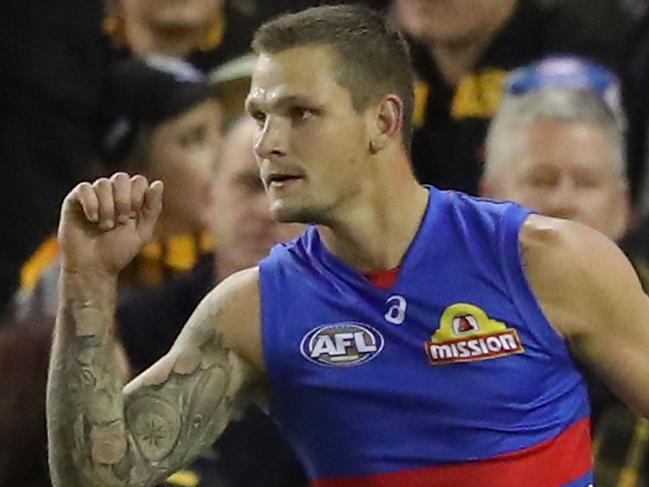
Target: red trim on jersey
[(383, 279), (553, 462)]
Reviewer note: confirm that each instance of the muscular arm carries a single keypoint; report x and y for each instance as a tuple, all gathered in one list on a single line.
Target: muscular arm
[(101, 434), (590, 293)]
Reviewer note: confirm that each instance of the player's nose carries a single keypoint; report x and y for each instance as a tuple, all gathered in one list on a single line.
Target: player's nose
[(270, 141)]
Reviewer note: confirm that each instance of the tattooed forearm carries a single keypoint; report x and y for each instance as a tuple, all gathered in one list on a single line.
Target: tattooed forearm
[(84, 403), (170, 423), (101, 434)]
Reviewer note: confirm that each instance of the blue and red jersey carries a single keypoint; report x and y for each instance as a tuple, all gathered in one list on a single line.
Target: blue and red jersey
[(447, 375)]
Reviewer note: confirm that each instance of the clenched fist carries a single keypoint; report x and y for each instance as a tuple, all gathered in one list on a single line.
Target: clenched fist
[(104, 224)]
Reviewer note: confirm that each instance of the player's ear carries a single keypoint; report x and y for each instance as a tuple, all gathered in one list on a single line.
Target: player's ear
[(386, 123)]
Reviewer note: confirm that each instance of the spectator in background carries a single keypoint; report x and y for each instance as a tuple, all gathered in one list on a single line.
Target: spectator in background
[(464, 49), (251, 452), (557, 146), (207, 33), (166, 123), (167, 27)]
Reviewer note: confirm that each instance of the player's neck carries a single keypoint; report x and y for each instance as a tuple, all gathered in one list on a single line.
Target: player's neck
[(376, 233)]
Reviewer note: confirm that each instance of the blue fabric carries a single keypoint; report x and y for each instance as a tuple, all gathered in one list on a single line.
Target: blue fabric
[(384, 404)]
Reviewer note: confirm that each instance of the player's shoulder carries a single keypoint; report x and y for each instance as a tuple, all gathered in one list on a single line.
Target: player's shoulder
[(570, 249), (571, 269), (568, 238), (234, 306), (243, 284), (578, 275), (233, 300)]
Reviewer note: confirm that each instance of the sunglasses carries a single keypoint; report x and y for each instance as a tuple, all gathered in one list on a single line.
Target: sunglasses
[(566, 72)]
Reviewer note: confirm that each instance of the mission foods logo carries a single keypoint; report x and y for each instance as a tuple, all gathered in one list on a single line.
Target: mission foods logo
[(342, 344), (467, 334)]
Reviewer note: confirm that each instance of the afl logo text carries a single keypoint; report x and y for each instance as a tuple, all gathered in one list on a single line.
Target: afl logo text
[(342, 344)]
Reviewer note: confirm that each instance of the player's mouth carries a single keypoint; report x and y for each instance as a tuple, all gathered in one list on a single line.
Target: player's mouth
[(281, 180)]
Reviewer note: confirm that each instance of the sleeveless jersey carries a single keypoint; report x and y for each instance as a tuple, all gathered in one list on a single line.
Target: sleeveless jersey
[(450, 377)]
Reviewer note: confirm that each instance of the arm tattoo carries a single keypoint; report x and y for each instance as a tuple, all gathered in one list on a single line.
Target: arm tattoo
[(102, 436)]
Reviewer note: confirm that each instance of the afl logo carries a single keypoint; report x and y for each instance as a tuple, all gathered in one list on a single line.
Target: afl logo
[(342, 344)]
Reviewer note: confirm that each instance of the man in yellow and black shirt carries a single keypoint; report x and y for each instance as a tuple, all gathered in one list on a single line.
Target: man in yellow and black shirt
[(464, 49)]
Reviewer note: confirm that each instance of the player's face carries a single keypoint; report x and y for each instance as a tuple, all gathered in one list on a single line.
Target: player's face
[(244, 228), (565, 170), (311, 145), (184, 154), (448, 20)]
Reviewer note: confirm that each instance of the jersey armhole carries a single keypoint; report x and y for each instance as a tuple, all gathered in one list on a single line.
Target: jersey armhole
[(268, 270), (519, 288)]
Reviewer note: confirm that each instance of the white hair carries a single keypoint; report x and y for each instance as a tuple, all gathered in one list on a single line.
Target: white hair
[(569, 105)]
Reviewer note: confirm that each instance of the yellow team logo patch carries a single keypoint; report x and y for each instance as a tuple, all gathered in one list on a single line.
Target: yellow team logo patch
[(479, 95), (467, 334)]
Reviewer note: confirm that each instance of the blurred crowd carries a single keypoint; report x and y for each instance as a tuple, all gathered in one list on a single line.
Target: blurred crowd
[(542, 102)]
